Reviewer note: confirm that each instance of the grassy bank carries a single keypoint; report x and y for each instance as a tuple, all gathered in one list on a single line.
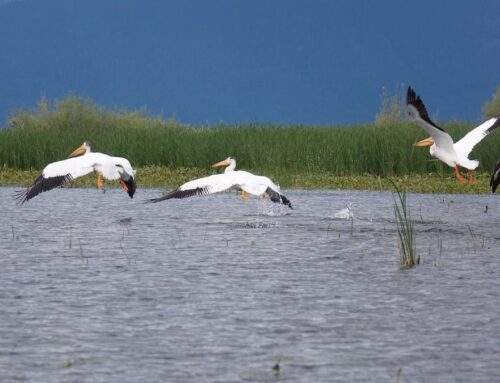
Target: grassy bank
[(168, 153), (163, 177)]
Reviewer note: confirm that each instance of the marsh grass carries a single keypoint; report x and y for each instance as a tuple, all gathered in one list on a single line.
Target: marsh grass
[(34, 138), (405, 230), (393, 108), (167, 153), (492, 107), (166, 177)]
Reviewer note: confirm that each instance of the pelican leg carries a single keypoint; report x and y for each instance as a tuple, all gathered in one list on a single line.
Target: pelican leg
[(244, 195), (100, 183), (471, 177), (460, 177)]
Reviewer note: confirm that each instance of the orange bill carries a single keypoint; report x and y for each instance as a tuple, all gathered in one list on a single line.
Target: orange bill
[(426, 142), (77, 151), (225, 162)]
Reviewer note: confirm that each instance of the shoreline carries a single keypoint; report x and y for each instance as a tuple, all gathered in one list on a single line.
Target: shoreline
[(168, 178)]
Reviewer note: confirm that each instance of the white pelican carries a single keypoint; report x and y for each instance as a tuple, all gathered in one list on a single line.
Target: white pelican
[(495, 177), (442, 146), (61, 172), (247, 182)]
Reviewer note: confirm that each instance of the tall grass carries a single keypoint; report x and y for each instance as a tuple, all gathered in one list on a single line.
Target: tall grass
[(406, 233), (492, 107), (393, 108), (34, 138)]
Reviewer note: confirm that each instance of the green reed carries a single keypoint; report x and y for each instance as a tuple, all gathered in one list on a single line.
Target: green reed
[(34, 138), (406, 233)]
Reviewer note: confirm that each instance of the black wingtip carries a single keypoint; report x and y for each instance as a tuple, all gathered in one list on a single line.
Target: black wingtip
[(415, 101), (41, 185), (286, 201), (131, 186), (21, 197), (495, 178), (410, 95), (177, 193), (159, 199), (493, 127), (278, 197), (155, 200)]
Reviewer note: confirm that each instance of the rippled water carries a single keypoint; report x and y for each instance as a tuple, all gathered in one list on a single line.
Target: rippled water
[(98, 287)]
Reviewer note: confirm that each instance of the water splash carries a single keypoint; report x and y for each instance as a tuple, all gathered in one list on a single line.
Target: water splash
[(272, 209), (346, 213)]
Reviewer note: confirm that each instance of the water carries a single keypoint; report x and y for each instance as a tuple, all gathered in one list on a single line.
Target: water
[(98, 287)]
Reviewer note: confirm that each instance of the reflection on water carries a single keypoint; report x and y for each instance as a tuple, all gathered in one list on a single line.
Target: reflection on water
[(98, 287)]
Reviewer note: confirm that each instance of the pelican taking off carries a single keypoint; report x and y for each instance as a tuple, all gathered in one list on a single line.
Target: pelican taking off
[(61, 172), (495, 177), (440, 142), (247, 182)]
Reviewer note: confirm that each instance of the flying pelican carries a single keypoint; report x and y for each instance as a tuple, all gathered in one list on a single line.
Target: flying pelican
[(247, 182), (440, 142), (61, 172), (495, 177)]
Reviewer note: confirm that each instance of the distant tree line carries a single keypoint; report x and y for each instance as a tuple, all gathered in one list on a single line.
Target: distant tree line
[(393, 107), (492, 107)]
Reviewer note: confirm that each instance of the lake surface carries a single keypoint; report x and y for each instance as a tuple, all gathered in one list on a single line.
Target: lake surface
[(96, 287)]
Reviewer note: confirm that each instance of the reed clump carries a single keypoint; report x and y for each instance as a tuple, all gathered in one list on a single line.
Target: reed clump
[(404, 226), (34, 138)]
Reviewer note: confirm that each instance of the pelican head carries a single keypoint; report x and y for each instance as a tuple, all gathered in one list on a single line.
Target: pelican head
[(427, 142), (229, 162), (85, 148)]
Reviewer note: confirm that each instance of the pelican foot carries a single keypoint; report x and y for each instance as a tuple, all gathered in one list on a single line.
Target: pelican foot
[(471, 177), (100, 183), (460, 177)]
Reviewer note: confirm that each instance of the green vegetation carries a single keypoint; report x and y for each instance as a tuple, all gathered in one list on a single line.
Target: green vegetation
[(406, 234), (492, 107), (161, 176), (167, 152), (393, 108)]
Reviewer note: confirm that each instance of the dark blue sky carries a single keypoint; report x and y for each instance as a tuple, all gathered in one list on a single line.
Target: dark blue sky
[(284, 61)]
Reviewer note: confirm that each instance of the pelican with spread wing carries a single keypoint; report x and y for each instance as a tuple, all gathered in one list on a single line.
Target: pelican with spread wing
[(247, 182), (61, 172), (441, 145)]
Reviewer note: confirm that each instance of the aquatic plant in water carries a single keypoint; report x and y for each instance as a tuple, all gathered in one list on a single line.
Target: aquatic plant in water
[(406, 233)]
